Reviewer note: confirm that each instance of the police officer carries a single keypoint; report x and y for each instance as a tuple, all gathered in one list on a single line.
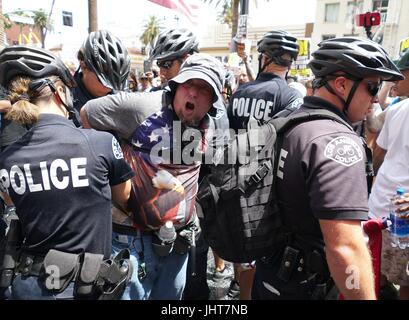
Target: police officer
[(321, 181), (60, 178), (104, 67), (171, 48), (269, 93)]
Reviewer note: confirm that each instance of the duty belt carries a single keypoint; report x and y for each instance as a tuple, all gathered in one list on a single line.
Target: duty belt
[(30, 265)]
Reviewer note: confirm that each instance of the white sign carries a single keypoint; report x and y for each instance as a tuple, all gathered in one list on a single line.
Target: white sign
[(242, 26), (21, 19)]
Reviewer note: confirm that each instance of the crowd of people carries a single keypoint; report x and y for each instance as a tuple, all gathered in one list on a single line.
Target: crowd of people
[(100, 165)]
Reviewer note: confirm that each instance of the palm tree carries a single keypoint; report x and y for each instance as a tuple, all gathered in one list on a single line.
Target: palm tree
[(229, 12), (152, 28), (92, 15), (42, 24)]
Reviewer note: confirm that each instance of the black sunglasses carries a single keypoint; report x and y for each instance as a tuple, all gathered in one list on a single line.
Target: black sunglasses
[(165, 64), (373, 87)]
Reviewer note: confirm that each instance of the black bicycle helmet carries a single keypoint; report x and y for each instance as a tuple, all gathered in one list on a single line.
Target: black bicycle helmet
[(105, 55), (276, 43), (174, 43), (358, 57), (32, 62)]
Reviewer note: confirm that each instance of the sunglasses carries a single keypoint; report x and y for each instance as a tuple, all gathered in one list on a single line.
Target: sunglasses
[(165, 64), (373, 87)]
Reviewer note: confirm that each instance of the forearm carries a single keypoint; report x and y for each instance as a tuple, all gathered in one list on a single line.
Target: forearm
[(384, 93), (250, 73), (375, 119), (5, 106), (6, 198), (121, 194), (351, 269)]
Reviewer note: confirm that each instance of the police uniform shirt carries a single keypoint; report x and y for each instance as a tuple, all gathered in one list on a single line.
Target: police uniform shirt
[(80, 94), (59, 179), (261, 99), (321, 173)]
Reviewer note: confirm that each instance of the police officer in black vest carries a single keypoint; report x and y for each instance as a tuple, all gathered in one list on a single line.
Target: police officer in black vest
[(269, 93), (60, 178), (104, 68), (321, 182)]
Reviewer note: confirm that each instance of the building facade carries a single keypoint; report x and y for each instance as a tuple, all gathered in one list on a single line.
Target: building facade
[(217, 40), (336, 18)]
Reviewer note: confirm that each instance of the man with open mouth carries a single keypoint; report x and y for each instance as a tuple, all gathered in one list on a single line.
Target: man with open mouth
[(155, 129)]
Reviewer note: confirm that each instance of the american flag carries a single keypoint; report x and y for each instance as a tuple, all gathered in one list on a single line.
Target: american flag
[(189, 8), (163, 189)]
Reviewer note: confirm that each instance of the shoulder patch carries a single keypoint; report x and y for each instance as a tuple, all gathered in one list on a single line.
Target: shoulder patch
[(116, 149), (344, 150), (296, 104)]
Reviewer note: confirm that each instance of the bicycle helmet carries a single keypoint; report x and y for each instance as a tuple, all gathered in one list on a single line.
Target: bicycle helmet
[(201, 66), (174, 43), (108, 58), (358, 57), (32, 62), (276, 43)]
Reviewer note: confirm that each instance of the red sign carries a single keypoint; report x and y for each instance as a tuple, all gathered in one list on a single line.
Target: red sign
[(368, 19)]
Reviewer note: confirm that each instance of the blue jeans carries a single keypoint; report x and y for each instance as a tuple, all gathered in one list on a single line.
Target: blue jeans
[(165, 276), (31, 288)]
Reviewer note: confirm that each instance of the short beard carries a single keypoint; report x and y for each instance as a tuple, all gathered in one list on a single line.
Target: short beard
[(191, 123)]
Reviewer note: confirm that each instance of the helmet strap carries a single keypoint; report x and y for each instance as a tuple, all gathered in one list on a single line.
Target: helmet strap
[(68, 105), (350, 95), (276, 59)]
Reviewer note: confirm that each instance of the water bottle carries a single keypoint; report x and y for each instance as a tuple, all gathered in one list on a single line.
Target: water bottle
[(163, 240), (399, 227), (167, 233)]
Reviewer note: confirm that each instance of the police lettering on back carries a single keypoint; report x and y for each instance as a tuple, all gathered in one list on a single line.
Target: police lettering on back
[(46, 175), (257, 108)]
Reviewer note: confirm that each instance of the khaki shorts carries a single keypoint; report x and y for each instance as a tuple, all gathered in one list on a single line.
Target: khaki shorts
[(394, 261)]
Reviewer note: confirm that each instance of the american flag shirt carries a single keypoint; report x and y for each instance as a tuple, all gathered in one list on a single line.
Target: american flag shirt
[(164, 154)]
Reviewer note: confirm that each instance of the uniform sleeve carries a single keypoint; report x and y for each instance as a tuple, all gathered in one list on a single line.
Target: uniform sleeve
[(293, 99), (110, 153), (334, 167)]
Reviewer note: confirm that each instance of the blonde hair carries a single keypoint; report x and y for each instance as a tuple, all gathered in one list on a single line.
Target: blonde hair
[(23, 100)]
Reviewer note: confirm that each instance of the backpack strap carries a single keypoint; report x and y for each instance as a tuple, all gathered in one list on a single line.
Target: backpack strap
[(268, 131), (283, 124)]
